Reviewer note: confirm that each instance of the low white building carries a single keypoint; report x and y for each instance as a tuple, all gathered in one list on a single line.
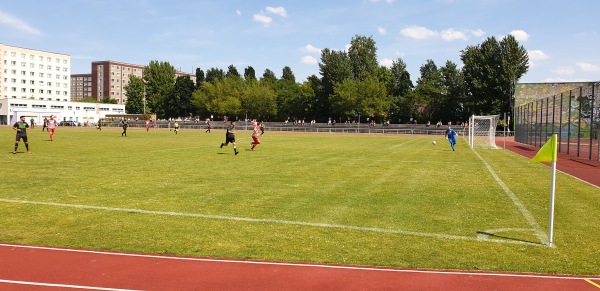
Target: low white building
[(11, 109)]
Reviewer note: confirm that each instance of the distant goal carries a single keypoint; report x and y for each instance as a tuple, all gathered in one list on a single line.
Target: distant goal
[(482, 131)]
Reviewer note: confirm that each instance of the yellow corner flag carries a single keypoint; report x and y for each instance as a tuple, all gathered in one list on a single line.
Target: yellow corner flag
[(548, 152)]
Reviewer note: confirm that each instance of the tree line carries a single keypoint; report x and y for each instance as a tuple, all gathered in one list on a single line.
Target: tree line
[(351, 85)]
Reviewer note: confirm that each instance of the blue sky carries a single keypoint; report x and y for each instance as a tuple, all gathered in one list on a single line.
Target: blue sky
[(562, 37)]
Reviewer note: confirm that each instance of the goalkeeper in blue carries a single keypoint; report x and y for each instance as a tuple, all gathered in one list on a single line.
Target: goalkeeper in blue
[(451, 136)]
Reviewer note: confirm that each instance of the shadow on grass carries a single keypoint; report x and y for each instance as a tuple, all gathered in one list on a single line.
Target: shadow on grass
[(491, 235)]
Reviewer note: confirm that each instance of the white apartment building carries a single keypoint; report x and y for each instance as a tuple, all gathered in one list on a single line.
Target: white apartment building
[(28, 73), (37, 84)]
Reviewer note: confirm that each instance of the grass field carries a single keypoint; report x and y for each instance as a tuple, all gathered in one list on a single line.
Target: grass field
[(328, 198)]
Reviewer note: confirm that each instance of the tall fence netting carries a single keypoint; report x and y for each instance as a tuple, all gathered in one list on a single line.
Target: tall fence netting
[(574, 115)]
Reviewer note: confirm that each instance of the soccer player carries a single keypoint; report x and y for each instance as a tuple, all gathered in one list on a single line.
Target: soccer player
[(52, 126), (255, 134), (21, 128), (262, 128), (230, 137), (147, 125), (176, 127), (207, 126), (451, 136), (45, 125), (124, 124)]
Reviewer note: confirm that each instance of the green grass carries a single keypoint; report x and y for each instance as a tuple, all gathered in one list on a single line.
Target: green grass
[(327, 198)]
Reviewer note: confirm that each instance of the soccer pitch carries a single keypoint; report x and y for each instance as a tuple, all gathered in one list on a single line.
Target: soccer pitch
[(384, 200)]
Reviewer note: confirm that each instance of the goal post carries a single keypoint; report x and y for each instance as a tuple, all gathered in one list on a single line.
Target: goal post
[(482, 131)]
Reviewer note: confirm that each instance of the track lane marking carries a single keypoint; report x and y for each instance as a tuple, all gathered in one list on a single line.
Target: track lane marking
[(62, 285)]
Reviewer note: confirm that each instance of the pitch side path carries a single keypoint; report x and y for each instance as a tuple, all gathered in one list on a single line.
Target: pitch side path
[(39, 268)]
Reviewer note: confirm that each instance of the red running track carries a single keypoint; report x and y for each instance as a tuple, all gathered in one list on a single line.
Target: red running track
[(42, 268), (581, 168)]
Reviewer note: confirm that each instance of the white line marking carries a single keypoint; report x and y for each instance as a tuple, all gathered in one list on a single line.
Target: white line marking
[(277, 221), (304, 265), (62, 285), (530, 219)]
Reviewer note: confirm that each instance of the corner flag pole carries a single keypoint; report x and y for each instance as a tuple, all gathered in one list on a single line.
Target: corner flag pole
[(552, 191), (549, 153)]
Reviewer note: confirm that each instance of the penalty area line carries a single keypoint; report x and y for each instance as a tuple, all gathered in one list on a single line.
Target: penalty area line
[(273, 221)]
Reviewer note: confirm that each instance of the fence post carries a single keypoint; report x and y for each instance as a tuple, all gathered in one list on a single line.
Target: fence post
[(579, 121)]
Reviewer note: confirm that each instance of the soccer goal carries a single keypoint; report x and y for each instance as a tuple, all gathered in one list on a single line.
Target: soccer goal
[(482, 131)]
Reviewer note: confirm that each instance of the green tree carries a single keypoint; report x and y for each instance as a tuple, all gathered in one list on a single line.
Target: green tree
[(135, 95), (160, 79), (213, 75), (490, 71), (223, 97), (268, 78), (200, 78), (367, 98), (363, 57), (428, 97), (232, 72), (288, 75), (399, 89), (180, 102), (335, 67), (258, 101), (454, 93), (250, 74)]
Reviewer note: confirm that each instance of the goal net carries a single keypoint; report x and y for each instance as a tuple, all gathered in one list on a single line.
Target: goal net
[(482, 131)]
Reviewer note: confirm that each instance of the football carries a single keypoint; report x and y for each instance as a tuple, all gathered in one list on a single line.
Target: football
[(433, 142)]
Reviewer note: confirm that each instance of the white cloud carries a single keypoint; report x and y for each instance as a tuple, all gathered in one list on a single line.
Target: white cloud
[(277, 10), (311, 49), (347, 47), (262, 18), (537, 55), (381, 30), (418, 32), (520, 35), (451, 34), (309, 60), (478, 32), (588, 67), (238, 12), (386, 62), (563, 71), (18, 24)]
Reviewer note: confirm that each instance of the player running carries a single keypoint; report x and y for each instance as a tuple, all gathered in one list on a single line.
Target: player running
[(255, 134), (176, 127), (124, 124), (52, 126), (230, 137), (21, 128), (451, 136)]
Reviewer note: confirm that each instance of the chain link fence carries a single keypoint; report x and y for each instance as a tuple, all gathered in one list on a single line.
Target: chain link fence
[(574, 115)]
